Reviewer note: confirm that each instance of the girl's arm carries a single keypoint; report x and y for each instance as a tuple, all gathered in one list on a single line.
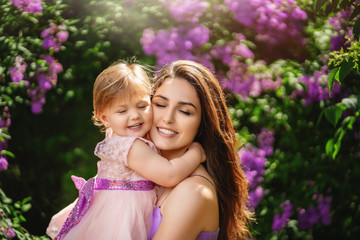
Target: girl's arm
[(58, 220), (168, 173)]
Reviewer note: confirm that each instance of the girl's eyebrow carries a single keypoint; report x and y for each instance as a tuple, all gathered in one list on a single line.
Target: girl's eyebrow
[(180, 103)]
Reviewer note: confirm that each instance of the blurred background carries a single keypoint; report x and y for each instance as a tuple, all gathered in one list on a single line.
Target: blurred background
[(289, 69)]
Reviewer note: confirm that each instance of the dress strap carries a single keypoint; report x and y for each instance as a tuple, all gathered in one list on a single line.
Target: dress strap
[(204, 178)]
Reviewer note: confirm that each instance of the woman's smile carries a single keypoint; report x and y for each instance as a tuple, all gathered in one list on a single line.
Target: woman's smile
[(176, 116)]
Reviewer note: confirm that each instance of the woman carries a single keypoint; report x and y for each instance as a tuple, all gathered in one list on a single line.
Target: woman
[(189, 105)]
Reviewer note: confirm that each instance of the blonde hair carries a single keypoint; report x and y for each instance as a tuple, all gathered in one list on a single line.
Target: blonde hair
[(120, 80)]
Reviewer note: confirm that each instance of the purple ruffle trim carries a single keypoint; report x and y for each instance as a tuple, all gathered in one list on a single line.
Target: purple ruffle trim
[(86, 195)]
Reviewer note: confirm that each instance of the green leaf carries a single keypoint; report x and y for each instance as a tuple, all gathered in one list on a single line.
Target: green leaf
[(356, 28), (333, 114), (26, 207), (6, 152), (318, 4), (17, 205), (340, 134), (329, 148), (331, 79), (345, 69)]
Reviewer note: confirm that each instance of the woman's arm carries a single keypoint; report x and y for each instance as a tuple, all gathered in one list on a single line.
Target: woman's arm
[(143, 160)]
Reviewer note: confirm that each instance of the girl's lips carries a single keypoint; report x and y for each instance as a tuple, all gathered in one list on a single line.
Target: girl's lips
[(166, 132), (136, 126)]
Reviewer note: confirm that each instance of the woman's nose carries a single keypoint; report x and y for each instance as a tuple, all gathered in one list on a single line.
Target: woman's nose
[(169, 117)]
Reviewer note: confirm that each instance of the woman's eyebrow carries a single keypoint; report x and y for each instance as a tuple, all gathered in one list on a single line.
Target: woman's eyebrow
[(180, 103), (161, 96), (187, 103)]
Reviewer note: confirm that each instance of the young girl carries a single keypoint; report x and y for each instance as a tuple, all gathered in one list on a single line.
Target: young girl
[(118, 203)]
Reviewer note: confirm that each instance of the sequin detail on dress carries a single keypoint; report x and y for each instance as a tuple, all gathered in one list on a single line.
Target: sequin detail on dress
[(116, 188), (81, 207), (86, 196)]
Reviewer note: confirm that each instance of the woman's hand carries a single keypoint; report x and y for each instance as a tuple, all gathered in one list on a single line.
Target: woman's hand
[(196, 145)]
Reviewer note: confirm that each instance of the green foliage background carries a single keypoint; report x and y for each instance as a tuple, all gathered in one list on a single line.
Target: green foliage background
[(310, 143)]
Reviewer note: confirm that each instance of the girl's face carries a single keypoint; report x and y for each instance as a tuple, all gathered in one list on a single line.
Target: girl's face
[(177, 116), (131, 117)]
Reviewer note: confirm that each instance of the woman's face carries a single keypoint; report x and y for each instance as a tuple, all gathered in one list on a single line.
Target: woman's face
[(177, 116)]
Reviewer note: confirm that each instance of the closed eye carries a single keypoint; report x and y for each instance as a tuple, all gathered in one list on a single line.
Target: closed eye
[(159, 105), (185, 112)]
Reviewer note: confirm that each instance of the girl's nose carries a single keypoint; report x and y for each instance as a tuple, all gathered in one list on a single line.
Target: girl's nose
[(135, 115)]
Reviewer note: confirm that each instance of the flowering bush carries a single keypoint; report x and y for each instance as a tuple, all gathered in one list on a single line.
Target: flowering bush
[(275, 60), (28, 71), (290, 70)]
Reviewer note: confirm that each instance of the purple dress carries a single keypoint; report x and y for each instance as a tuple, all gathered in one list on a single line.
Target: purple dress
[(156, 220)]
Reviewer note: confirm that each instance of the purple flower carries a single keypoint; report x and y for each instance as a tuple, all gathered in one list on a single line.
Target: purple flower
[(324, 209), (308, 218), (62, 36), (281, 219), (274, 20), (17, 72), (54, 36), (186, 10), (253, 161), (316, 87), (30, 6), (3, 164), (255, 196), (266, 141), (8, 232), (175, 43)]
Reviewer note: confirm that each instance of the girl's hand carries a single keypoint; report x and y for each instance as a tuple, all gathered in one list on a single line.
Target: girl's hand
[(196, 145)]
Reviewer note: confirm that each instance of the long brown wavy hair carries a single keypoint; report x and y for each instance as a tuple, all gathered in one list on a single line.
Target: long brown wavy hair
[(217, 136)]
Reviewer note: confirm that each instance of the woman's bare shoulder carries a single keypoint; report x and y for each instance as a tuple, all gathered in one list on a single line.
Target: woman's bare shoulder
[(197, 198)]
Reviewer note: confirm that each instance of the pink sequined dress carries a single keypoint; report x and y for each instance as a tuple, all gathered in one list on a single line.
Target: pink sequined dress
[(118, 203)]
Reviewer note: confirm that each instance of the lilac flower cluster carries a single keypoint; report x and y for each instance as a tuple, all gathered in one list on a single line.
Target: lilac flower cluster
[(5, 122), (176, 43), (5, 226), (44, 80), (281, 219), (274, 20), (309, 217), (232, 49), (17, 72), (186, 10), (316, 87), (54, 36), (241, 79), (339, 22), (29, 6), (253, 160)]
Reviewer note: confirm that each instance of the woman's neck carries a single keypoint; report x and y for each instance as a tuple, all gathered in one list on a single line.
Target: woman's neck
[(171, 154)]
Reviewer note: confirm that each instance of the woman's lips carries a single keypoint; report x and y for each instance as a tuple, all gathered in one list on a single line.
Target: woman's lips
[(166, 132)]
